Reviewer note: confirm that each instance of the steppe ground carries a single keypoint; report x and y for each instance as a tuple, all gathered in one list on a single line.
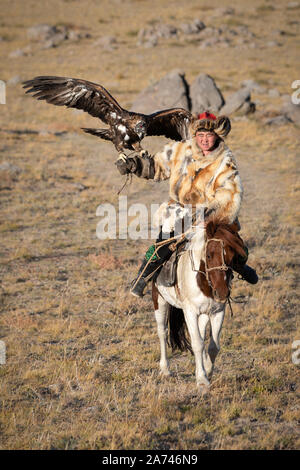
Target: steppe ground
[(82, 354)]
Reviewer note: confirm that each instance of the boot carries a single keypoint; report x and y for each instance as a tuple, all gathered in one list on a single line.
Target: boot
[(152, 270), (140, 282), (248, 274)]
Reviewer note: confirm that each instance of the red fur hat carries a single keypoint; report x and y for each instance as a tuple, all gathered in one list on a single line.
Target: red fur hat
[(209, 122), (207, 115)]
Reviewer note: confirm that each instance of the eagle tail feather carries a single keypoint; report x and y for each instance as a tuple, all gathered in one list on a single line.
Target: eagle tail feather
[(102, 133)]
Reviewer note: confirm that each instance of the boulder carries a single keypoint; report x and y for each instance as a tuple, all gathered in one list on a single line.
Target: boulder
[(148, 37), (293, 5), (54, 41), (14, 80), (223, 11), (169, 92), (17, 53), (192, 28), (205, 95), (277, 120), (8, 167), (291, 110), (166, 31), (252, 85), (239, 103), (41, 32), (108, 43), (52, 36)]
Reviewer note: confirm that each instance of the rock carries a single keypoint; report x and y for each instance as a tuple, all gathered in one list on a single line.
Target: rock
[(166, 31), (210, 31), (54, 41), (149, 36), (293, 5), (291, 111), (273, 44), (186, 28), (79, 186), (106, 42), (17, 53), (223, 11), (239, 102), (151, 42), (278, 120), (76, 35), (209, 42), (14, 80), (205, 95), (169, 92), (8, 167), (252, 85), (192, 28), (41, 32), (52, 36)]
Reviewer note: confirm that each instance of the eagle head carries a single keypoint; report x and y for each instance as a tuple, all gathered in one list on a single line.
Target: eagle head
[(140, 129)]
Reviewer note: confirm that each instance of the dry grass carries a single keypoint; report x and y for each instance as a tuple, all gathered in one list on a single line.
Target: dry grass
[(82, 355)]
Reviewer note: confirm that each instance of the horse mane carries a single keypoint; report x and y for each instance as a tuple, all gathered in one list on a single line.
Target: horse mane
[(229, 234)]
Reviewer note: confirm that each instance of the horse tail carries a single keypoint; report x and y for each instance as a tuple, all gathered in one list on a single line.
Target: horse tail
[(178, 338)]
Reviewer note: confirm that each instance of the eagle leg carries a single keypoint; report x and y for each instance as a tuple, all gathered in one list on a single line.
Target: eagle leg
[(144, 153), (122, 156)]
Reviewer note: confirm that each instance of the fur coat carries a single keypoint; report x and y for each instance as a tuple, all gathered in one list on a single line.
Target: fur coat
[(211, 182)]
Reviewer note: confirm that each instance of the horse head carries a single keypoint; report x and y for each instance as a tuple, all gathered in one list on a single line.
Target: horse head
[(219, 253)]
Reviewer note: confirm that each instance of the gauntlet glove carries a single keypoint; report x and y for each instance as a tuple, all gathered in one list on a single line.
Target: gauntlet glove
[(142, 166)]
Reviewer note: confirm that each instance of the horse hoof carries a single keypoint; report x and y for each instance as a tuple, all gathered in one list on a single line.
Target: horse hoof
[(165, 373), (203, 388)]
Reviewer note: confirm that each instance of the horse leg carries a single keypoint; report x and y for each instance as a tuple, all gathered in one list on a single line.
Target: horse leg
[(202, 322), (161, 316), (216, 322), (197, 340)]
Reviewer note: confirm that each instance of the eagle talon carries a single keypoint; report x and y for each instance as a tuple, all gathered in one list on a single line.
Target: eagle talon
[(144, 153), (122, 157)]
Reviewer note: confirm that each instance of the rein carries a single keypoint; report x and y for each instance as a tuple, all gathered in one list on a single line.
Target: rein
[(222, 267)]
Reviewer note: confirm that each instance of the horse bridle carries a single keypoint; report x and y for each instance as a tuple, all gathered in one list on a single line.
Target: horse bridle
[(222, 267)]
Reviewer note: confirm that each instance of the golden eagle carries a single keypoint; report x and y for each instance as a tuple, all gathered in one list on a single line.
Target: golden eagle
[(126, 128)]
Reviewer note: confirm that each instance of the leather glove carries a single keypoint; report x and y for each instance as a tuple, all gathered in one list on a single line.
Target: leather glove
[(126, 166), (140, 166)]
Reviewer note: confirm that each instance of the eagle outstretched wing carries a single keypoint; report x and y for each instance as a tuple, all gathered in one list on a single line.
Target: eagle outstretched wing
[(75, 93), (172, 123), (126, 128)]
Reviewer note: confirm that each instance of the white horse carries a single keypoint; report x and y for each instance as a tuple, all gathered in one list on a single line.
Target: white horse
[(198, 297)]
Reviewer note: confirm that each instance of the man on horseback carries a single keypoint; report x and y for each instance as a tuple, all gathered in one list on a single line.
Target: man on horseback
[(202, 173)]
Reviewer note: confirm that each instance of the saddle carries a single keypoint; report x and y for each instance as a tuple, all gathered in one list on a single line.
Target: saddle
[(169, 269), (226, 232)]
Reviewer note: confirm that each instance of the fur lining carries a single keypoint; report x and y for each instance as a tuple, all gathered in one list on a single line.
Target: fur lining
[(221, 126)]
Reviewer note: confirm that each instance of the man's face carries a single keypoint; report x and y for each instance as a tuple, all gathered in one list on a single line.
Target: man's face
[(206, 140)]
